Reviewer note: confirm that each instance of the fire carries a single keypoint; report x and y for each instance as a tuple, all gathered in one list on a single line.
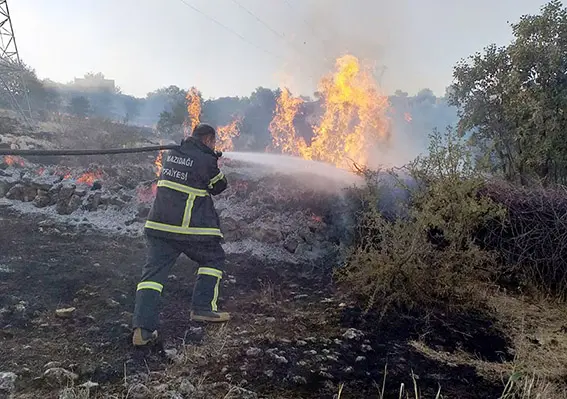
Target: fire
[(90, 177), (354, 118), (282, 128), (193, 109), (12, 160), (407, 117), (226, 134), (158, 163)]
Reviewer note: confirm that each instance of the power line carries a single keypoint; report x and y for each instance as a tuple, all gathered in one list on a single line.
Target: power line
[(230, 30), (260, 20), (267, 26), (310, 26)]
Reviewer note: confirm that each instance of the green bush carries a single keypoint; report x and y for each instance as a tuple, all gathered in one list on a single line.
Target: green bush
[(429, 257)]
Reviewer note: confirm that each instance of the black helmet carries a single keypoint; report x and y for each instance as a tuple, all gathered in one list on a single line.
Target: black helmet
[(203, 130)]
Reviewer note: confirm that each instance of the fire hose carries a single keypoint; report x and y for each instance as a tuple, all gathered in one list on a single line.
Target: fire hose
[(9, 151)]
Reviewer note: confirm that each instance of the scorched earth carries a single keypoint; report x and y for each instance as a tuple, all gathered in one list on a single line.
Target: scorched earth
[(67, 284)]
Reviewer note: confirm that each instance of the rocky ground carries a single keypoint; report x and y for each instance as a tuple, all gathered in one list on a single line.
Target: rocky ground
[(68, 271), (65, 310)]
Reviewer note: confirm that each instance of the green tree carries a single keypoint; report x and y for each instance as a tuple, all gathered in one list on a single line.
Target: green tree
[(513, 100), (80, 106)]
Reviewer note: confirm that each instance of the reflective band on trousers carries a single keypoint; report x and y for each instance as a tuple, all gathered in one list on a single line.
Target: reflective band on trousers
[(150, 285), (199, 231), (209, 271), (216, 179)]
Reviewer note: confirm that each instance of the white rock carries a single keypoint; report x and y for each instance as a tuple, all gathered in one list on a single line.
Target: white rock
[(8, 381), (353, 333), (65, 313)]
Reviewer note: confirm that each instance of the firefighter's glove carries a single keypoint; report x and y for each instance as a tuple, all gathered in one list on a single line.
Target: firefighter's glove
[(218, 154)]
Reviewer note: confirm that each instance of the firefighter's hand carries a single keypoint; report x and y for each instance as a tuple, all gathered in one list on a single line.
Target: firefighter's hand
[(218, 154)]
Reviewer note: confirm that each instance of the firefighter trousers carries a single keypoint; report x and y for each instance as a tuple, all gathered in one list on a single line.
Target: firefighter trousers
[(162, 255)]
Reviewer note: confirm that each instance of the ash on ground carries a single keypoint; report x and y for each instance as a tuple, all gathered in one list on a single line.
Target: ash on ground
[(265, 213)]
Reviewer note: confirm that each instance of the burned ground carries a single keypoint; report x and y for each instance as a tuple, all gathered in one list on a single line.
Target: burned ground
[(292, 335)]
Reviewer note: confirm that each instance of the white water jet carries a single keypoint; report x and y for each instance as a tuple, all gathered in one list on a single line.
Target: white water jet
[(298, 167)]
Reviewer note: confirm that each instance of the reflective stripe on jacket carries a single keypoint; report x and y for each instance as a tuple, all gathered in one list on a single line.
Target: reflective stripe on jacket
[(183, 206)]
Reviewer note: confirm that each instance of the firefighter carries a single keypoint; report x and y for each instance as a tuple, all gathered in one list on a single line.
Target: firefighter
[(183, 219)]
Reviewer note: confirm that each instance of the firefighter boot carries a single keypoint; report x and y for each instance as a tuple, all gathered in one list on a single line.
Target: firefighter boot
[(205, 296), (142, 337)]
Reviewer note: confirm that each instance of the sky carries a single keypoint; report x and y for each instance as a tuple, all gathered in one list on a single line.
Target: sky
[(147, 44)]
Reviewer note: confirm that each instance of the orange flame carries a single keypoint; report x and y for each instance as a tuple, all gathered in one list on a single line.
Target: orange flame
[(12, 160), (193, 109), (226, 134), (407, 117), (354, 118), (90, 177), (159, 163), (282, 128)]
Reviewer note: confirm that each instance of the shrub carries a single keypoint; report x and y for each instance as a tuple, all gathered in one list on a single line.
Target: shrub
[(424, 253)]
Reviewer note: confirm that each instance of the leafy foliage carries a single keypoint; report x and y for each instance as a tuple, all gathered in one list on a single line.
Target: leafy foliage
[(429, 256), (80, 107), (513, 99)]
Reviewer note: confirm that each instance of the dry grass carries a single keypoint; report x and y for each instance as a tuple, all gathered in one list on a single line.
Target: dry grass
[(411, 392), (432, 258)]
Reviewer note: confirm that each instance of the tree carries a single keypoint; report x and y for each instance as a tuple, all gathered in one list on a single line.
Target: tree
[(258, 116), (131, 108), (80, 106), (513, 100)]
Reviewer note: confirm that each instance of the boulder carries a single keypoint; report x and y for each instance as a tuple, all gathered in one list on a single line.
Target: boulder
[(6, 183), (266, 233), (42, 199), (45, 182), (291, 243), (92, 201), (66, 191), (21, 192)]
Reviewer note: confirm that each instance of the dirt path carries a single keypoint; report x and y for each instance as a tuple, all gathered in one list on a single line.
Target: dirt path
[(289, 338)]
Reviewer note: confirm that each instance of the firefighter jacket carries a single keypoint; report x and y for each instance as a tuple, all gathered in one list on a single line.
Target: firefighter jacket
[(183, 208)]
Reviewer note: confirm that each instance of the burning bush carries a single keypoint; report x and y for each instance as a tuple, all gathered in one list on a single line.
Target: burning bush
[(425, 253)]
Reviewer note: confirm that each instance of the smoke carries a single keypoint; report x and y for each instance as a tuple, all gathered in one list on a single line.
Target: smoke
[(372, 30)]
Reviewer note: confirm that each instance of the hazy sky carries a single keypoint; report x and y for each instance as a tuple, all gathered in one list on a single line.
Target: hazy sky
[(147, 44)]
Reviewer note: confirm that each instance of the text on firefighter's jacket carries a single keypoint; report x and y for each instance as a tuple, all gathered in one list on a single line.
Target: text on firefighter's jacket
[(179, 160), (175, 173)]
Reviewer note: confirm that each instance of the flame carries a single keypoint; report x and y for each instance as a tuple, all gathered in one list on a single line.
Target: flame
[(226, 134), (354, 118), (407, 117), (90, 177), (193, 109), (281, 127), (12, 160), (158, 163)]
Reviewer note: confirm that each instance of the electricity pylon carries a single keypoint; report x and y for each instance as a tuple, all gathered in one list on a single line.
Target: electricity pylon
[(11, 68)]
